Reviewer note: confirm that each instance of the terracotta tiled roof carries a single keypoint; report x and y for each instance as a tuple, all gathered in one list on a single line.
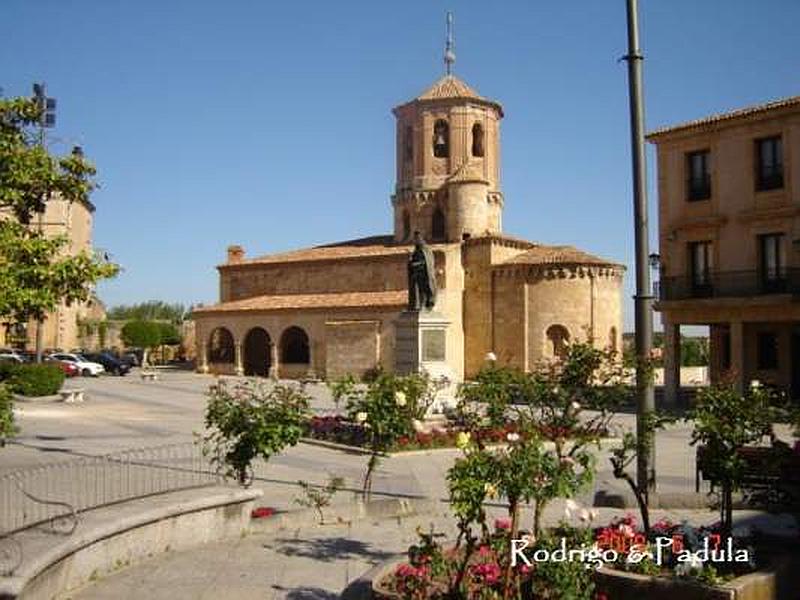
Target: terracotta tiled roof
[(449, 86), (556, 255), (394, 298), (370, 246), (727, 116)]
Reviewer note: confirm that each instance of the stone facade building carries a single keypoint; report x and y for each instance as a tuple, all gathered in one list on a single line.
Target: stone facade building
[(332, 309), (729, 237), (61, 329)]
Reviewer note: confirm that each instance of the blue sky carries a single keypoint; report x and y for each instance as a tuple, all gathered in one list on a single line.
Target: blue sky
[(268, 123)]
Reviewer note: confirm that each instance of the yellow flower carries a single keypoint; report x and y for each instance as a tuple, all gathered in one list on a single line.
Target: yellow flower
[(490, 490), (361, 417), (400, 398), (462, 440)]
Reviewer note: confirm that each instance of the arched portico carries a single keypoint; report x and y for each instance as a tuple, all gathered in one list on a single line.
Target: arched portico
[(257, 352)]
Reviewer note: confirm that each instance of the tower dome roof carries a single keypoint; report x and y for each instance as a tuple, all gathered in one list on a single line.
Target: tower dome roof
[(451, 87)]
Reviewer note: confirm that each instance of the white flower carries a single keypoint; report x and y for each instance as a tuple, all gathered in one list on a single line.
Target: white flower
[(361, 417), (575, 405), (587, 515), (400, 398), (755, 384), (512, 437), (570, 508), (491, 357)]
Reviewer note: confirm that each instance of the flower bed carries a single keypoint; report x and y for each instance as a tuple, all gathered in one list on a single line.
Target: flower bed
[(340, 430)]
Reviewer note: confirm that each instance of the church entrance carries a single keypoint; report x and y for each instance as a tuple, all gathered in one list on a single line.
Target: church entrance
[(257, 352)]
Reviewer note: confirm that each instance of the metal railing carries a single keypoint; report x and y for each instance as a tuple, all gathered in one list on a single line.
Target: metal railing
[(52, 495), (729, 284)]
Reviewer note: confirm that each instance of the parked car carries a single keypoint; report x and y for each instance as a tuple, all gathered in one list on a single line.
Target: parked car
[(10, 357), (87, 368), (109, 362), (70, 369)]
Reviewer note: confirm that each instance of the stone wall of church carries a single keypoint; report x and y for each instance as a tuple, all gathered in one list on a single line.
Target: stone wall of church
[(534, 305), (478, 256), (373, 274), (585, 301)]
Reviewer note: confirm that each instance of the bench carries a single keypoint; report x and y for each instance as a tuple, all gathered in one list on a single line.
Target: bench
[(770, 472), (149, 376), (72, 395)]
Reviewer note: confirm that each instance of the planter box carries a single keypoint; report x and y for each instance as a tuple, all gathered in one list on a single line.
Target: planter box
[(777, 583)]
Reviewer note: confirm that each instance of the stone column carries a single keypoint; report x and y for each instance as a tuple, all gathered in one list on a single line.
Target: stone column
[(672, 363), (238, 352), (203, 357), (273, 361), (737, 355)]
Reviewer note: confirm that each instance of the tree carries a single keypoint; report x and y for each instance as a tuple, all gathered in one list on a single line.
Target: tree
[(142, 334), (152, 310), (170, 336), (36, 275)]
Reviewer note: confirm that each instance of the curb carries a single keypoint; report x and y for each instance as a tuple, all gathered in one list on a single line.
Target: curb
[(42, 569)]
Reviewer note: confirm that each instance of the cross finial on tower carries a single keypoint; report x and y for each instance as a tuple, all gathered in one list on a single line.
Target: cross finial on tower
[(449, 53)]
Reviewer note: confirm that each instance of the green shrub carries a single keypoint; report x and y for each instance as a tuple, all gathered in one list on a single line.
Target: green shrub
[(32, 380), (7, 427)]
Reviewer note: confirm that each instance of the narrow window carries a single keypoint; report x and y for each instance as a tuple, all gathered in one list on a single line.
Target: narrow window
[(772, 265), (769, 163), (438, 228), (406, 225), (441, 139), (408, 144), (558, 335), (477, 140), (700, 265), (698, 184), (767, 346)]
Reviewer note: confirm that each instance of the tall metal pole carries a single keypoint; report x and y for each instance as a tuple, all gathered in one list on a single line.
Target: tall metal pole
[(645, 394), (41, 94)]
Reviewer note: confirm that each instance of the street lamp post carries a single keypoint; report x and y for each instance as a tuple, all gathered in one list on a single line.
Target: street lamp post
[(643, 301)]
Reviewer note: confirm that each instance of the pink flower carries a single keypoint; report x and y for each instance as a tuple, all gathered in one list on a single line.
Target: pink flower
[(262, 512), (484, 551), (502, 524)]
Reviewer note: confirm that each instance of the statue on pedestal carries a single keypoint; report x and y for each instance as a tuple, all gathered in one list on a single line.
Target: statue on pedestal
[(421, 276)]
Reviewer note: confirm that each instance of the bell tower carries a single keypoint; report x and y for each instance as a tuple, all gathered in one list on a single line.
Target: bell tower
[(448, 161)]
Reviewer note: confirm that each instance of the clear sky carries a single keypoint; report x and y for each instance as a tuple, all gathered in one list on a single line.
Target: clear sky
[(268, 123)]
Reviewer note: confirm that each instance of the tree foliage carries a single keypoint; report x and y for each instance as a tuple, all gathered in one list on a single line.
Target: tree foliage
[(152, 310), (141, 334), (36, 273)]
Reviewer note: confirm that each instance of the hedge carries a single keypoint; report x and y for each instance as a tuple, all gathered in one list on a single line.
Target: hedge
[(32, 380)]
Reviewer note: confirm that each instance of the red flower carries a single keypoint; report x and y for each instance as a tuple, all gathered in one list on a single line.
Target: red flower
[(502, 524), (262, 512)]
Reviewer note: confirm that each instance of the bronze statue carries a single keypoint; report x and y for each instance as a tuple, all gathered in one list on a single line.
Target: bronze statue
[(421, 276)]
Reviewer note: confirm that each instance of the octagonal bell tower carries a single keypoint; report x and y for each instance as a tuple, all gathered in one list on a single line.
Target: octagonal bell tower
[(448, 162)]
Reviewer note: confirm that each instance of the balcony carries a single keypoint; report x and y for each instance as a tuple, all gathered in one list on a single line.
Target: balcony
[(728, 284)]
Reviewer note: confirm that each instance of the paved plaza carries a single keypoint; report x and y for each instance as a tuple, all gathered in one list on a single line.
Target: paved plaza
[(307, 561)]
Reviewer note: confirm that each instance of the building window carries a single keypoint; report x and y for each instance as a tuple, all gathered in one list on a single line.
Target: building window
[(772, 266), (477, 140), (700, 265), (294, 346), (767, 347), (698, 183), (406, 225), (438, 228), (769, 163), (408, 144), (558, 336), (441, 139)]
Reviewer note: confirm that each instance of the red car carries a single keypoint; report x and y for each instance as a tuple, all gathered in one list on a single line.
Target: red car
[(70, 369)]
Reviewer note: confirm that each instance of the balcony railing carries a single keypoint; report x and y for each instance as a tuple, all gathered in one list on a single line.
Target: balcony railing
[(729, 284)]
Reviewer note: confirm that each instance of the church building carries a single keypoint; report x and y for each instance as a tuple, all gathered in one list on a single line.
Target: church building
[(333, 309)]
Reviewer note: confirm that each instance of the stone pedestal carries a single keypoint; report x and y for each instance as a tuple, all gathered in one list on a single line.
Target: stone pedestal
[(421, 346)]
